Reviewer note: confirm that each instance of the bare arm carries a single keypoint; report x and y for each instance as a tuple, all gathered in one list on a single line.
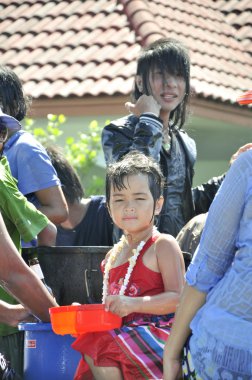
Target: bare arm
[(169, 261), (12, 315), (190, 303), (53, 204), (48, 235), (20, 281)]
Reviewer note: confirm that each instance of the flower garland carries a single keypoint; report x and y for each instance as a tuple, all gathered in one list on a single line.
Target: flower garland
[(132, 262)]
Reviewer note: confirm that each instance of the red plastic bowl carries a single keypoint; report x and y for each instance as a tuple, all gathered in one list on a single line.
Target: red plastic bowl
[(80, 319)]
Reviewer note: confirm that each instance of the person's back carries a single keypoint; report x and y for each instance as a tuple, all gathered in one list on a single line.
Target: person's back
[(88, 222)]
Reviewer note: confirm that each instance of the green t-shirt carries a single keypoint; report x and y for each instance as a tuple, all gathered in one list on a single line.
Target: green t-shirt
[(22, 220)]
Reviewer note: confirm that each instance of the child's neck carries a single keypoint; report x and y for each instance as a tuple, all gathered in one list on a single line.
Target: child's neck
[(135, 238)]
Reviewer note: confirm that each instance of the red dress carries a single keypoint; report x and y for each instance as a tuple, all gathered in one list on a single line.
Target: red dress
[(137, 347)]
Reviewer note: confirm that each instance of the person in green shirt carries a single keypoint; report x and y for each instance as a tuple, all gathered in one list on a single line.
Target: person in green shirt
[(22, 220)]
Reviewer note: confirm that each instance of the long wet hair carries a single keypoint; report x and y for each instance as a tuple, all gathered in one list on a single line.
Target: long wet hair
[(134, 163), (169, 56), (13, 101), (70, 181)]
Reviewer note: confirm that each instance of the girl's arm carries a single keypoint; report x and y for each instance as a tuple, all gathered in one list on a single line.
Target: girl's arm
[(170, 263), (191, 301)]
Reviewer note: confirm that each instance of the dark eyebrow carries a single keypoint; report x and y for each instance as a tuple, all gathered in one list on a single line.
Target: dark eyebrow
[(120, 194), (140, 193)]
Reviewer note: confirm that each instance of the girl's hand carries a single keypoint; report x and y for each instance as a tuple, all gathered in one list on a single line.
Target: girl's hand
[(172, 369), (120, 305), (146, 103)]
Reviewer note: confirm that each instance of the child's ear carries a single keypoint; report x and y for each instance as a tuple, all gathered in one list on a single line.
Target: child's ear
[(159, 205), (139, 83)]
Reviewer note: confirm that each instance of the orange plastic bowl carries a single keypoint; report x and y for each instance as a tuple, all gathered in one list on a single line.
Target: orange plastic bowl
[(80, 319)]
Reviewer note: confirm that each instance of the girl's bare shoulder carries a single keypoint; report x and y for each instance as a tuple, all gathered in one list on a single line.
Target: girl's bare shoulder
[(167, 244)]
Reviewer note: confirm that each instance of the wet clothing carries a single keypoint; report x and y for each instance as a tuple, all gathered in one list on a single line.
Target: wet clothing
[(137, 347), (95, 229), (145, 134), (221, 341)]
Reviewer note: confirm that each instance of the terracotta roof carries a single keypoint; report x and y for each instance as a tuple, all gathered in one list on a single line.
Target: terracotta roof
[(74, 48), (239, 15)]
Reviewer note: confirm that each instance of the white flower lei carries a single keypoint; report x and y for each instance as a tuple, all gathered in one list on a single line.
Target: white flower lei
[(132, 262)]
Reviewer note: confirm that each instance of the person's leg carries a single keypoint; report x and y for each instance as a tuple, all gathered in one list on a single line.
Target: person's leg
[(104, 373)]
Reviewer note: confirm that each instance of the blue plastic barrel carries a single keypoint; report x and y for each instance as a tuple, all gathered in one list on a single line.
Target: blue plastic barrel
[(47, 356)]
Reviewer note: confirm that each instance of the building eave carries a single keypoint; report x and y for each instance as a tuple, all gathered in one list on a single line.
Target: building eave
[(114, 105)]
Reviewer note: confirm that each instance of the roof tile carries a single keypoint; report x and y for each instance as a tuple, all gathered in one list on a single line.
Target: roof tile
[(76, 48)]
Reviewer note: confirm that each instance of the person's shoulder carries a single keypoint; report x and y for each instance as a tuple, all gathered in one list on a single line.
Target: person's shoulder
[(27, 140), (167, 241), (246, 155), (188, 141), (98, 198), (243, 163)]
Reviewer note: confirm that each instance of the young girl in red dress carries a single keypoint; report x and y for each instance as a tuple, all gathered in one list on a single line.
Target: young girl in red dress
[(143, 279)]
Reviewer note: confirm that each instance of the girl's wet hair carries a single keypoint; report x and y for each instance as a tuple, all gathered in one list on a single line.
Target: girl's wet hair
[(169, 56), (13, 102), (134, 163)]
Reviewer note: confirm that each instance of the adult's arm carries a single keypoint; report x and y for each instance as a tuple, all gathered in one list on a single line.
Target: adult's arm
[(52, 203), (204, 194), (48, 235), (132, 133), (12, 315), (20, 281), (191, 301)]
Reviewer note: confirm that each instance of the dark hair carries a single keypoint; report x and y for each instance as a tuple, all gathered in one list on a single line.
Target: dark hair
[(169, 56), (12, 99), (70, 181), (133, 163)]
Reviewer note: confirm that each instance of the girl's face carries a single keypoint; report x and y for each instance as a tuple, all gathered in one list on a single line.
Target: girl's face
[(167, 89), (132, 207)]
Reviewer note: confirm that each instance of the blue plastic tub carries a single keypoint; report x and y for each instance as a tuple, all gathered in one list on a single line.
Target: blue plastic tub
[(47, 356)]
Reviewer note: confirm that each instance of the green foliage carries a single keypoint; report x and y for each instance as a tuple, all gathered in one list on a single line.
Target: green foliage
[(82, 153)]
